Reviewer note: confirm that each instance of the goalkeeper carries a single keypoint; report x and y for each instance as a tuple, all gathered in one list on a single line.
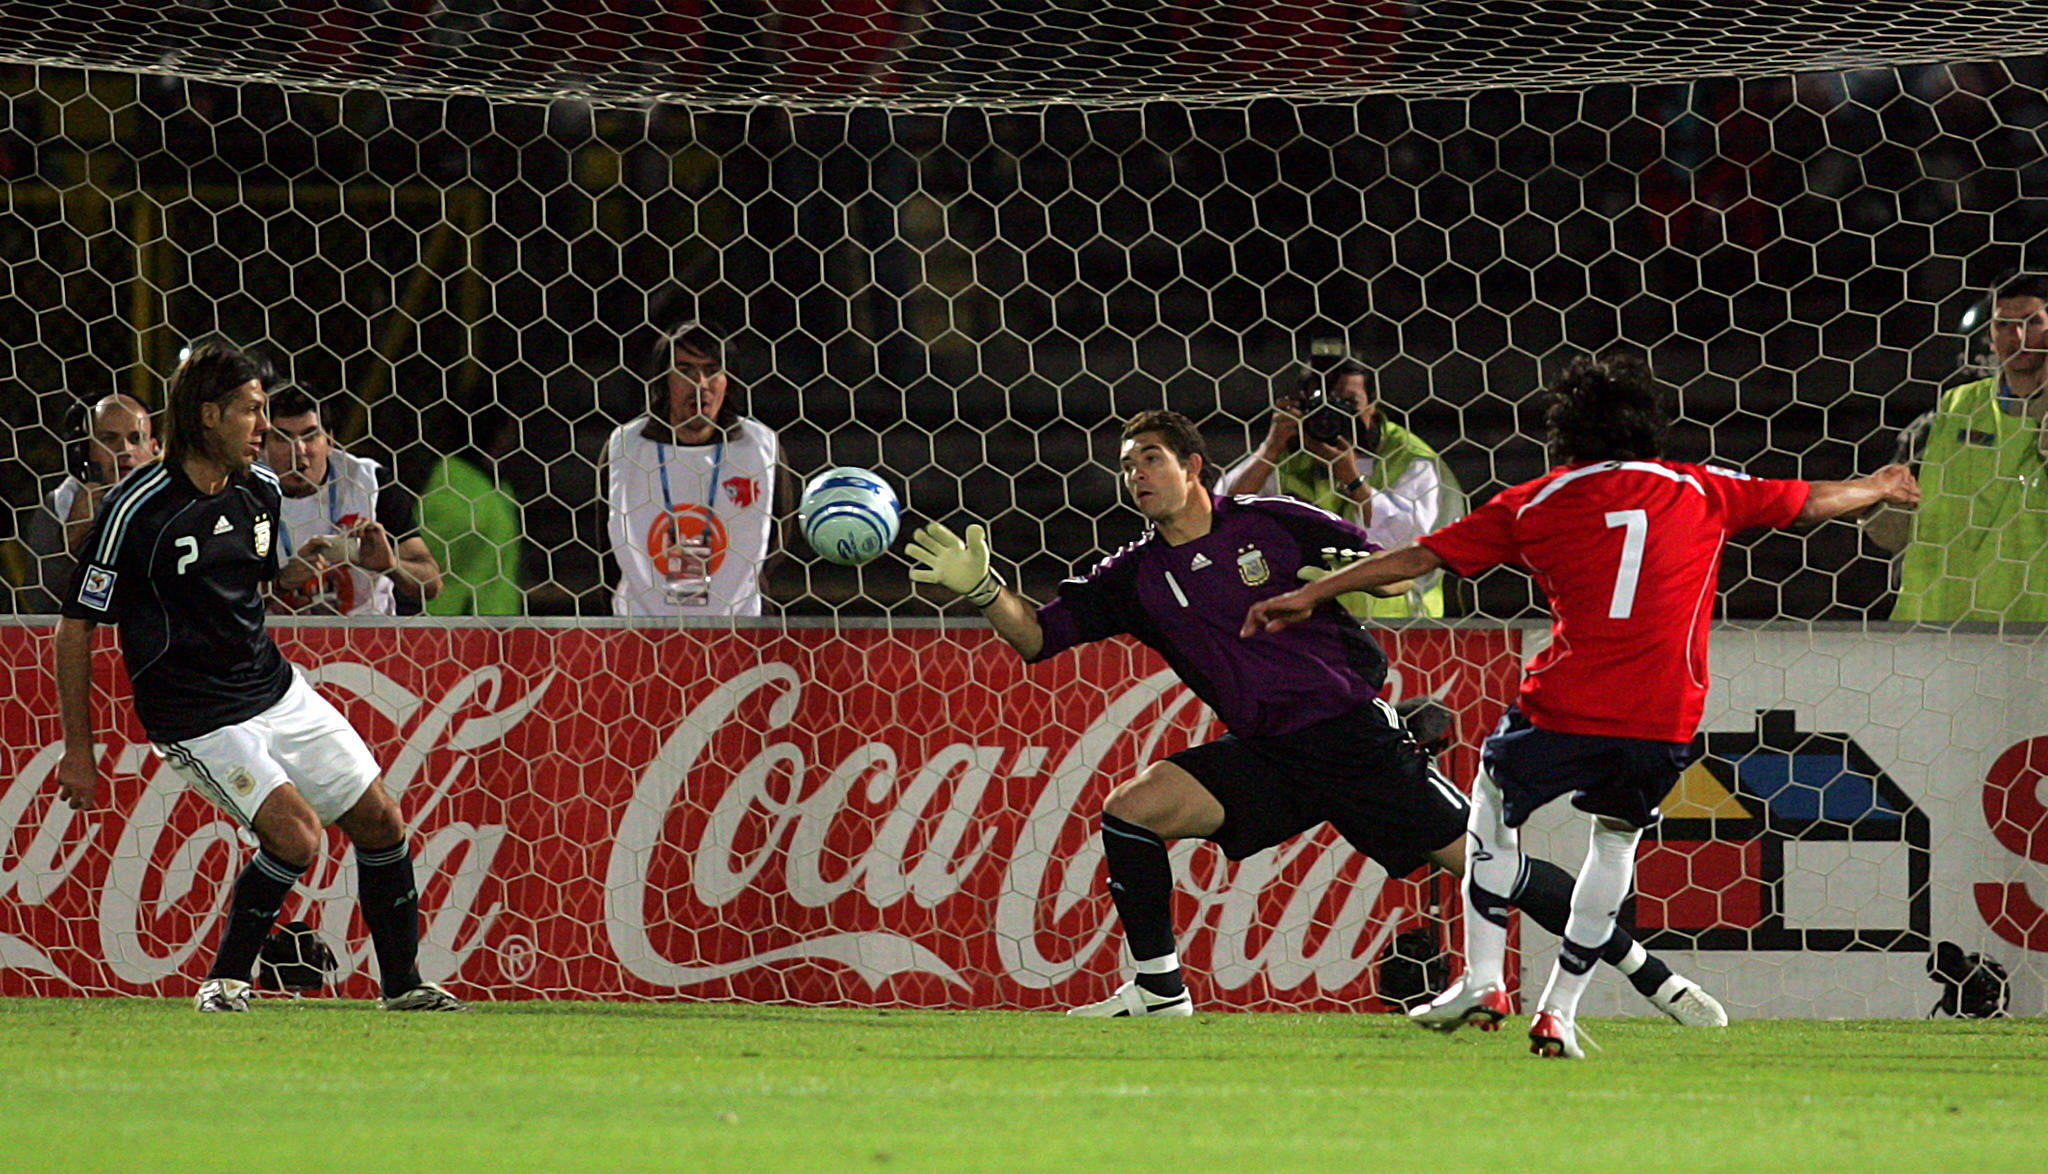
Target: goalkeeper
[(1310, 738)]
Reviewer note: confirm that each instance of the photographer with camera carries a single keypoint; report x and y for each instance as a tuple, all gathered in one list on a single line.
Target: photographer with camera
[(1328, 444), (104, 442)]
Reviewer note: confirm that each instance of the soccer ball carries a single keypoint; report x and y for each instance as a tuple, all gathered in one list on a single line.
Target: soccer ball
[(848, 515)]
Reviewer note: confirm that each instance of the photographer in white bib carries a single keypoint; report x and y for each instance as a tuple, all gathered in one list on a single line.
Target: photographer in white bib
[(103, 444), (346, 509), (693, 489)]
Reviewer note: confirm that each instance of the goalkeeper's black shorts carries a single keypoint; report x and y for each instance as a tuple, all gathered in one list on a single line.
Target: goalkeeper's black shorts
[(1360, 771)]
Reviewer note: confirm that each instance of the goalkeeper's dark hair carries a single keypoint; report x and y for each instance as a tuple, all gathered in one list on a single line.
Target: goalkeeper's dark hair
[(688, 334), (210, 374), (1608, 408), (2021, 285), (1180, 434)]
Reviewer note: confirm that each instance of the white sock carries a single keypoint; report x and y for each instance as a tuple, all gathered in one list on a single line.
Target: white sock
[(1604, 881), (1634, 959), (1493, 861)]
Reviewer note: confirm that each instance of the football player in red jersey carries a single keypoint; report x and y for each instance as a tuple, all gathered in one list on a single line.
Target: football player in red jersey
[(1626, 546)]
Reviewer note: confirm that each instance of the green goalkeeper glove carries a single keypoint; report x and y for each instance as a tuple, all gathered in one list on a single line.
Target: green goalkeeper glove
[(1337, 559), (959, 567)]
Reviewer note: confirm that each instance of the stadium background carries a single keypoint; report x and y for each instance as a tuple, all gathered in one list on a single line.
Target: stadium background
[(957, 241)]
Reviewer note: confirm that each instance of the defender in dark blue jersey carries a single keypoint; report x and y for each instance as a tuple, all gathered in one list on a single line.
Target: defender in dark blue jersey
[(178, 557), (1310, 739)]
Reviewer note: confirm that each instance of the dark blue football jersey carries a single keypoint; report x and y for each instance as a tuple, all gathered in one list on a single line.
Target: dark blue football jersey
[(182, 574)]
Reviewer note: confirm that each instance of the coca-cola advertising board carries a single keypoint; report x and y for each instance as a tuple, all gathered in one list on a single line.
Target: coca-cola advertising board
[(901, 816)]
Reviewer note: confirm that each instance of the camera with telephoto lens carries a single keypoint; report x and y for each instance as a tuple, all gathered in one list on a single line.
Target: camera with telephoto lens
[(1328, 415), (78, 444)]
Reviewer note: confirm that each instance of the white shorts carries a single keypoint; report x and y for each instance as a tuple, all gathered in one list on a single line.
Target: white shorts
[(302, 740)]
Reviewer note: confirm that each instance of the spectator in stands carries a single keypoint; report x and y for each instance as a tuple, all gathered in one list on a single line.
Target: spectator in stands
[(104, 443), (344, 507), (693, 488), (1976, 547), (470, 523), (1328, 444)]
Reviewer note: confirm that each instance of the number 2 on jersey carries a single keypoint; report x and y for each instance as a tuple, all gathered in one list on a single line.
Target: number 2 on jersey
[(190, 546), (1635, 526)]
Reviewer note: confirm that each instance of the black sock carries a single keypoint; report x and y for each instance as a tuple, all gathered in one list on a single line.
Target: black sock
[(1648, 976), (252, 909), (1546, 896), (1544, 892), (391, 907), (1141, 882), (1575, 958)]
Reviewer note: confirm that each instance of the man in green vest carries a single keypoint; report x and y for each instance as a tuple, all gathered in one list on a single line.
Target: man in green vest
[(470, 522), (1976, 548), (1328, 444)]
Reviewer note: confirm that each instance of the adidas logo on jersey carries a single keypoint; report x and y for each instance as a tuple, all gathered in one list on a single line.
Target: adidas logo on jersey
[(223, 526), (1200, 561)]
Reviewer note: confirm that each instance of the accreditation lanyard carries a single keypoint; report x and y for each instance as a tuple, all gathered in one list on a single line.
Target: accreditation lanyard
[(333, 508), (710, 494)]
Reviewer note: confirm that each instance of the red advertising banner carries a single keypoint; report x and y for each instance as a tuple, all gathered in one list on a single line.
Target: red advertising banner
[(864, 816)]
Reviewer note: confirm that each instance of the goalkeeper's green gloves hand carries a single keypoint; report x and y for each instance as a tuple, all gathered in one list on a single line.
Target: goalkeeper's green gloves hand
[(959, 567), (1337, 559)]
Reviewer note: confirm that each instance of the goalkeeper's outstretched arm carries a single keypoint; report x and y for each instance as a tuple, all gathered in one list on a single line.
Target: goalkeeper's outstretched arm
[(962, 566)]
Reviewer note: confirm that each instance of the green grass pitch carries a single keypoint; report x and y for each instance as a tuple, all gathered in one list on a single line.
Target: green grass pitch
[(320, 1085)]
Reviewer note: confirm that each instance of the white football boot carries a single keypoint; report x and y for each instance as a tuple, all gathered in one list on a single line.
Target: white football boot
[(1683, 1000), (427, 996), (1131, 1001), (222, 994), (1482, 1007), (1554, 1037)]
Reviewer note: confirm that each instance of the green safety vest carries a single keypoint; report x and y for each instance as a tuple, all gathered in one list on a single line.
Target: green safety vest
[(1304, 475), (1980, 540)]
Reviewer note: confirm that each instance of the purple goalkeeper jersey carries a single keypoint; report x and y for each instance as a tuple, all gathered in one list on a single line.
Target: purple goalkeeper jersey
[(1187, 602)]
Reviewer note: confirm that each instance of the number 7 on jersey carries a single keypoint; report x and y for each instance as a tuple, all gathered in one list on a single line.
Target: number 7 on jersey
[(1635, 526)]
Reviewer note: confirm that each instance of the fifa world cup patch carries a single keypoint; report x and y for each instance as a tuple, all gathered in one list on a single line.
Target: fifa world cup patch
[(97, 588), (1251, 566), (241, 782)]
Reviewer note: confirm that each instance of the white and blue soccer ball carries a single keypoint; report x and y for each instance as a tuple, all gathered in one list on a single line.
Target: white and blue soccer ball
[(849, 515)]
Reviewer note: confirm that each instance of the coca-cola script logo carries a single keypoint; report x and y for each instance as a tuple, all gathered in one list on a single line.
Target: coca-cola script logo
[(902, 817), (995, 838), (131, 872)]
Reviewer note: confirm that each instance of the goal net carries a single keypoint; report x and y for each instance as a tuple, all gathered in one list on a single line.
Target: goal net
[(956, 243)]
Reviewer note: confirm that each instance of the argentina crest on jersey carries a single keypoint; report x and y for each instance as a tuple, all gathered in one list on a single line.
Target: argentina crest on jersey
[(1251, 566), (262, 532)]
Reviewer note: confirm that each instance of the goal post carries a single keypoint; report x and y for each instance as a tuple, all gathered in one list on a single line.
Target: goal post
[(957, 243)]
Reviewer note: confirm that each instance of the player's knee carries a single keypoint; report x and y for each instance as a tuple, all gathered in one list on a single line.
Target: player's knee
[(293, 839), (1126, 805), (376, 826), (1163, 799), (1140, 801)]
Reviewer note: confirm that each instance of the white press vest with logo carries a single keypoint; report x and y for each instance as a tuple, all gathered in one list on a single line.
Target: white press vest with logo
[(347, 498), (737, 515)]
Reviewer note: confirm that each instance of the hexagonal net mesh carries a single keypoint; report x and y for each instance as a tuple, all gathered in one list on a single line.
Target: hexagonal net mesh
[(957, 244)]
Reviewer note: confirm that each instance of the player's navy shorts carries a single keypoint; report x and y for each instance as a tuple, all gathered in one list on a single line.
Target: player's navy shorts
[(1621, 778), (1360, 771)]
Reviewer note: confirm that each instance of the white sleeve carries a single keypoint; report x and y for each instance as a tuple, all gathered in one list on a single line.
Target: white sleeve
[(1270, 489), (614, 518), (1407, 509)]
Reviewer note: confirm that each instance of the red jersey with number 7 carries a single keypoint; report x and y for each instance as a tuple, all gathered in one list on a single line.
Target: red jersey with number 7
[(1628, 553)]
